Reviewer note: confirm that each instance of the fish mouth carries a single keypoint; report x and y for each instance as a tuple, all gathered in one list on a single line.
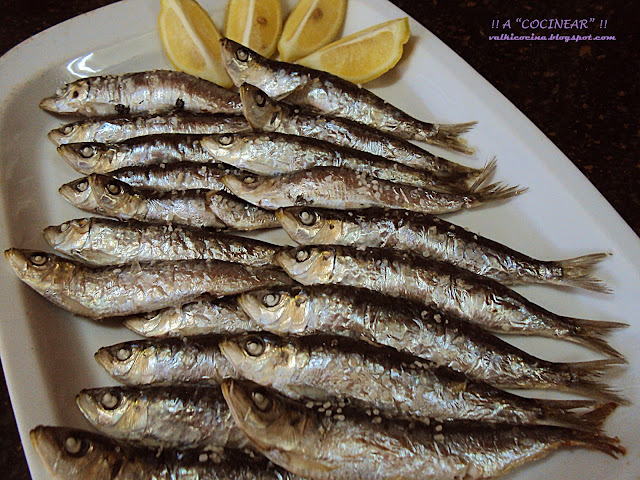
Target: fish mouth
[(50, 104), (82, 165), (47, 445), (87, 405), (17, 260), (57, 137)]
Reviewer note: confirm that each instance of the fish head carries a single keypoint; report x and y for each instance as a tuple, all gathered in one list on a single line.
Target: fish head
[(261, 111), (68, 236), (66, 133), (103, 194), (69, 99), (276, 310), (308, 265), (310, 226), (152, 324), (242, 64), (40, 270), (113, 410), (129, 362), (72, 453), (247, 186), (264, 358), (269, 420), (87, 158), (228, 148), (80, 193)]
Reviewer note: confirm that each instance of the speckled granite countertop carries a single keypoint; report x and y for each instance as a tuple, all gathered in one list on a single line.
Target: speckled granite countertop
[(582, 95)]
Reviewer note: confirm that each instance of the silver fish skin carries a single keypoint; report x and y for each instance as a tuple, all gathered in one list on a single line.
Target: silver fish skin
[(270, 153), (173, 177), (443, 286), (393, 384), (431, 237), (92, 157), (333, 96), (422, 332), (99, 292), (342, 188), (101, 241), (353, 446), (168, 417), (109, 130), (219, 316), (166, 362), (150, 92), (108, 196), (266, 114), (73, 454)]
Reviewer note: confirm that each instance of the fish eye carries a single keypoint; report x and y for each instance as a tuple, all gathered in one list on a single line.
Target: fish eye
[(38, 259), (86, 151), (75, 94), (249, 179), (260, 99), (271, 299), (75, 447), (65, 226), (242, 54), (67, 129), (225, 140), (308, 218), (124, 354), (109, 401), (261, 401), (113, 188), (82, 185), (254, 346), (302, 255)]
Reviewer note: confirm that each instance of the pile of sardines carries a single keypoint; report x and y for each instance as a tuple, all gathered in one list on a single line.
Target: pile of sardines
[(368, 352)]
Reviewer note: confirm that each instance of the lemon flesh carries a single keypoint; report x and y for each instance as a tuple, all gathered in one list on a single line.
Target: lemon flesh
[(255, 24)]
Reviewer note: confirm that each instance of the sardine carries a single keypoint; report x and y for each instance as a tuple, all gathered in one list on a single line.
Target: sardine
[(396, 385), (334, 96), (108, 130), (98, 292), (92, 157), (99, 241), (420, 331), (167, 417), (353, 446), (431, 237), (166, 361), (445, 287), (342, 188), (264, 113), (107, 196), (222, 316), (277, 153), (152, 92), (72, 454), (174, 176)]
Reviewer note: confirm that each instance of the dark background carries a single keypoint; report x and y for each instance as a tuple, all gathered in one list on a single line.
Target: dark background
[(582, 95)]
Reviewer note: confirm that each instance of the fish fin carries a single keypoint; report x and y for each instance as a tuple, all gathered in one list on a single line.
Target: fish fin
[(484, 173), (599, 414), (592, 421), (609, 445), (576, 272), (589, 332), (447, 136), (494, 191), (582, 379)]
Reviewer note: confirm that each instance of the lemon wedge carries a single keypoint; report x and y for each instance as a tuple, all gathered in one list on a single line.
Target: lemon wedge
[(255, 24), (191, 40), (365, 55), (311, 25)]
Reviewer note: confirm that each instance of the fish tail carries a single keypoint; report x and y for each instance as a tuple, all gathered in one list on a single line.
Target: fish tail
[(595, 441), (581, 377), (589, 334), (484, 173), (448, 136), (592, 421), (577, 272), (494, 191)]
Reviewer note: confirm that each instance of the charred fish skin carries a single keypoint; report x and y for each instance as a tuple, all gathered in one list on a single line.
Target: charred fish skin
[(169, 417), (383, 380), (99, 292), (110, 130), (419, 331), (270, 153), (150, 92), (73, 454), (93, 157), (342, 188), (334, 96), (166, 362), (100, 241), (432, 237), (221, 316), (445, 287), (264, 113), (353, 446)]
